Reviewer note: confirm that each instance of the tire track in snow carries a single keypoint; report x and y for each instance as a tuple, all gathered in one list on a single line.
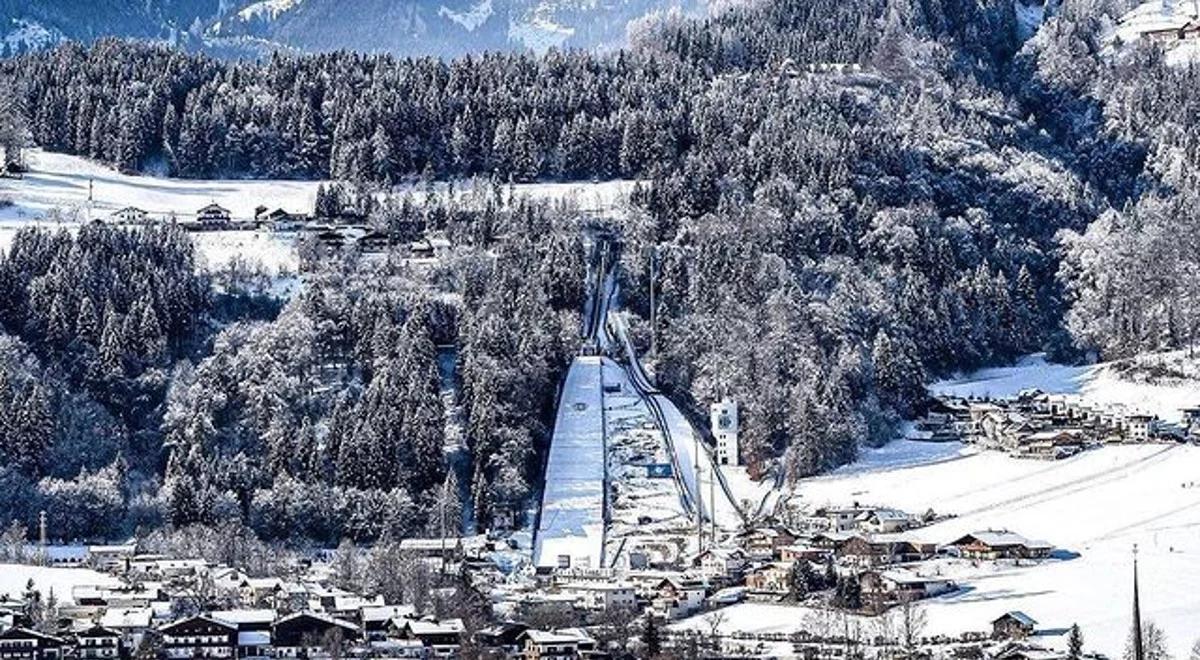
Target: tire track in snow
[(1114, 533), (1073, 486)]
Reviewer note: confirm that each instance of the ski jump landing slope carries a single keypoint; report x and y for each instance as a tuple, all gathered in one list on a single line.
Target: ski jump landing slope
[(572, 518)]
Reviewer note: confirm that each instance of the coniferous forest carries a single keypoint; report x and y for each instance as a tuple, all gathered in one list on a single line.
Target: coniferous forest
[(839, 201)]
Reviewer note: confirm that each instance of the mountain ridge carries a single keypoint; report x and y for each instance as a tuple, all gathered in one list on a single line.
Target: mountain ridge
[(443, 28)]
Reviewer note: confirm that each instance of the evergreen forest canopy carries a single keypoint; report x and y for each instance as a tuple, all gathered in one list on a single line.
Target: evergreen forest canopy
[(841, 200)]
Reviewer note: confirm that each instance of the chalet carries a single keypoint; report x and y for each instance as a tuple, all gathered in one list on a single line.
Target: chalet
[(253, 630), (884, 588), (770, 580), (374, 242), (829, 541), (566, 644), (130, 215), (882, 549), (306, 634), (839, 519), (331, 240), (214, 216), (199, 637), (26, 644), (99, 642), (279, 220), (440, 638), (797, 552), (677, 597), (1013, 625), (1052, 443), (505, 638), (717, 563), (1000, 544), (375, 619), (765, 542), (883, 521)]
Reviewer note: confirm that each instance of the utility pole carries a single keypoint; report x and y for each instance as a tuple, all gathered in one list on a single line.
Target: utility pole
[(1139, 652), (712, 503), (699, 499), (445, 490)]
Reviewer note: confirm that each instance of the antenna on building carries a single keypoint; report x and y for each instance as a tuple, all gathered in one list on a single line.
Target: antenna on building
[(1139, 652)]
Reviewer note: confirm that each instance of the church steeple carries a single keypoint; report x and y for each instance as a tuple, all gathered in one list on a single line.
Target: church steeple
[(1138, 650)]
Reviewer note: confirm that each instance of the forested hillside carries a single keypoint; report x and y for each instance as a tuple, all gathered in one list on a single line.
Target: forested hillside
[(839, 201)]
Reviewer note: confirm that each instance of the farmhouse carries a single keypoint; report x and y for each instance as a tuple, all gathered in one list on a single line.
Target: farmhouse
[(772, 579), (98, 642), (440, 638), (130, 215), (1013, 625), (279, 220), (885, 588), (374, 242), (1000, 544), (24, 643), (884, 521), (566, 644), (214, 216), (866, 550), (199, 637), (303, 635), (766, 541), (717, 563)]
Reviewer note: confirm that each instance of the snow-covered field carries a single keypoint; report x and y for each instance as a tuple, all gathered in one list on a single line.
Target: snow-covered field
[(1099, 383), (55, 194), (1093, 507), (61, 181), (14, 577)]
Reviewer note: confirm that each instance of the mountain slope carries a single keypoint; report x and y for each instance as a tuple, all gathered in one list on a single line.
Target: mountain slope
[(404, 27)]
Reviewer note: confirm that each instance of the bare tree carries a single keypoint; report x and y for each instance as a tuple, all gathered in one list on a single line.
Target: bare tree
[(911, 624)]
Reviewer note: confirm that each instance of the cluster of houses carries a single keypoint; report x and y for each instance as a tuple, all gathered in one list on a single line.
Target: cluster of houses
[(887, 565), (348, 231), (1039, 425), (369, 632), (156, 607)]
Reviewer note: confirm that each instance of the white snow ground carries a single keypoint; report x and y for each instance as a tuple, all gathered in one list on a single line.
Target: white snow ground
[(55, 194), (1095, 505), (14, 577), (572, 518), (1099, 383)]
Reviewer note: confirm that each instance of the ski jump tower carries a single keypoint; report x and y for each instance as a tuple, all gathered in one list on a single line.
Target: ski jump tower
[(724, 417)]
